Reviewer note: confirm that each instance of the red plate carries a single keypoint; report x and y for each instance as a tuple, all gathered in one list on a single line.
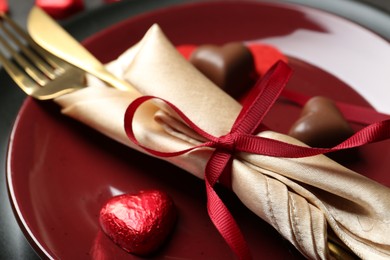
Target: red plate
[(60, 172)]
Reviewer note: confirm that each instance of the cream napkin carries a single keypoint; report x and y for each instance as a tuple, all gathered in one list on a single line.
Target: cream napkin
[(302, 198)]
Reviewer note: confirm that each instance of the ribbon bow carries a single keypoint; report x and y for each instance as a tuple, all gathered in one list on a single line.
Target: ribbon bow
[(241, 138)]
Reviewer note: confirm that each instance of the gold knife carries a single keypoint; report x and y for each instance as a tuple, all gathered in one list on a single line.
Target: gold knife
[(50, 35)]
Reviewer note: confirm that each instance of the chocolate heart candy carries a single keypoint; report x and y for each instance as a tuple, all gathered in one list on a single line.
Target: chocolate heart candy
[(231, 67), (321, 124), (139, 223)]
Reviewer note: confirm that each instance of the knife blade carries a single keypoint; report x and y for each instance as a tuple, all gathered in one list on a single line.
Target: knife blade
[(50, 35)]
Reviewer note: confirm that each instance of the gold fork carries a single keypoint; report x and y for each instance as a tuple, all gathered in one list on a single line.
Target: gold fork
[(37, 72)]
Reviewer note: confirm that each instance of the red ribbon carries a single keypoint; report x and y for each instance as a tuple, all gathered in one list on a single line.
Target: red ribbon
[(241, 138)]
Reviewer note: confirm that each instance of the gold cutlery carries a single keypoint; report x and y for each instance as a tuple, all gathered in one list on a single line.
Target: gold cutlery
[(37, 72), (51, 36)]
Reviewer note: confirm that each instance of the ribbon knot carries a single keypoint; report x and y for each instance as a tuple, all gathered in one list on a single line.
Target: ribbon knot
[(226, 142)]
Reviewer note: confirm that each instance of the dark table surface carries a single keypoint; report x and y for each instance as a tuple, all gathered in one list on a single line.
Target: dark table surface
[(373, 14)]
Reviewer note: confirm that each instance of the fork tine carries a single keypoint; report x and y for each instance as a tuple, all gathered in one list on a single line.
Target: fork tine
[(41, 69), (26, 65), (28, 85), (37, 72), (38, 62), (53, 61)]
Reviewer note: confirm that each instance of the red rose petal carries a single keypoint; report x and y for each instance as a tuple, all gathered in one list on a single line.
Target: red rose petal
[(265, 56), (186, 50)]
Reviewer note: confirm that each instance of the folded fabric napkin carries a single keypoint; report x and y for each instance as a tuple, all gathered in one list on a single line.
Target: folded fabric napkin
[(308, 200)]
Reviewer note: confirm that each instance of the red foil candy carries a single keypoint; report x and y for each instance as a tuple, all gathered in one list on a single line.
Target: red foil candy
[(4, 6), (139, 223), (60, 9)]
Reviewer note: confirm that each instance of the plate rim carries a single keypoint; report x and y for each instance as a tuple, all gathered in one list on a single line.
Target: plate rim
[(21, 221)]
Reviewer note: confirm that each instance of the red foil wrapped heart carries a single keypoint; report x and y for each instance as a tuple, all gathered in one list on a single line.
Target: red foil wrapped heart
[(61, 9), (4, 6), (139, 223)]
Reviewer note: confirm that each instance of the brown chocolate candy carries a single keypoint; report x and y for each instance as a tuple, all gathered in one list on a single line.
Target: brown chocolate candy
[(321, 124), (231, 67)]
